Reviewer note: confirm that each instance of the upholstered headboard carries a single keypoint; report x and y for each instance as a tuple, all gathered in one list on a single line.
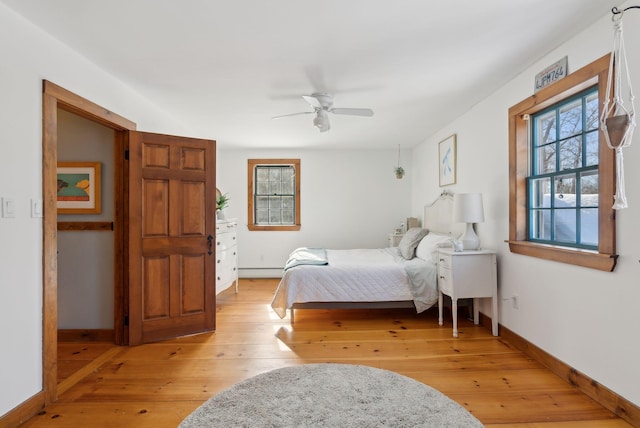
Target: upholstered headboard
[(438, 216)]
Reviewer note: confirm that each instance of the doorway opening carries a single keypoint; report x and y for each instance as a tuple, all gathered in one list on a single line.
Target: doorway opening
[(55, 99)]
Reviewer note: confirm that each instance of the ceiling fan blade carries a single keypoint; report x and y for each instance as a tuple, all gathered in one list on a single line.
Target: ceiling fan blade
[(293, 114), (367, 112), (313, 101)]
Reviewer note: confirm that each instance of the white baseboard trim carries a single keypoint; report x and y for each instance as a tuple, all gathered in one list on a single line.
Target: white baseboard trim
[(260, 272)]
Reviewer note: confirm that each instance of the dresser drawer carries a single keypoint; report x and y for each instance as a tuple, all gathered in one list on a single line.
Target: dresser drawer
[(222, 227), (225, 273), (224, 241)]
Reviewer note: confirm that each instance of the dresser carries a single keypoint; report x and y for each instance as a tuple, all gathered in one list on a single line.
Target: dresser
[(464, 275), (226, 255)]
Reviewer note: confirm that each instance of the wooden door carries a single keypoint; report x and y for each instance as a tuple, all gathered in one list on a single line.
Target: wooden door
[(171, 222)]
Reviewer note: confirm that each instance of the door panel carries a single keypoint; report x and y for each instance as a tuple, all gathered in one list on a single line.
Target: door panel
[(171, 214)]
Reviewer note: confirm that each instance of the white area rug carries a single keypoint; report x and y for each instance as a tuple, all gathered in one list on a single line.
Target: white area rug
[(330, 395)]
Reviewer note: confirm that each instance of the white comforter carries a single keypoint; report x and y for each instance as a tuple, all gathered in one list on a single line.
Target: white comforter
[(363, 275)]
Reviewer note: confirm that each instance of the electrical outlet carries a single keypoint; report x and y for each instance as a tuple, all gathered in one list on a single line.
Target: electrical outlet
[(515, 301)]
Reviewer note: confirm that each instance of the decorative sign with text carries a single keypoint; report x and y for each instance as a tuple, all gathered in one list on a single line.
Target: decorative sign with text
[(553, 73)]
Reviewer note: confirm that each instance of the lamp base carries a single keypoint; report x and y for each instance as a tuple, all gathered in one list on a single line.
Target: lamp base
[(469, 239)]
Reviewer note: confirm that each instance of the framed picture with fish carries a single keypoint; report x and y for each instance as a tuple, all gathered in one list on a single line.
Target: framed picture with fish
[(78, 188)]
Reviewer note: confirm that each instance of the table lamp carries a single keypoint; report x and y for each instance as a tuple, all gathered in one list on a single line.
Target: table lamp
[(467, 208)]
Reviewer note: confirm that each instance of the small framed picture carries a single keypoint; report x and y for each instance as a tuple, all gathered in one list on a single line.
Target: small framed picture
[(447, 161), (78, 188)]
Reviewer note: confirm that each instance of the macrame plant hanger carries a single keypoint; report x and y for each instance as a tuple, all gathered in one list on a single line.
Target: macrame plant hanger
[(618, 121)]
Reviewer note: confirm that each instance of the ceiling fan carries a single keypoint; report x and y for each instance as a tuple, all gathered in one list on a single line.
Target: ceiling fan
[(322, 105)]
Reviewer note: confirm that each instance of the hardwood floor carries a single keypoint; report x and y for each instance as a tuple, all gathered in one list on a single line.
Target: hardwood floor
[(159, 384)]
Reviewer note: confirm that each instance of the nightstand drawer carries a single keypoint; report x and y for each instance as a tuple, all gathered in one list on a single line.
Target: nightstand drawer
[(445, 283), (444, 261)]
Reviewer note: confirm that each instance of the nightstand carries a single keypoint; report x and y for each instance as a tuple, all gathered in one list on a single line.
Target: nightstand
[(395, 238), (464, 275)]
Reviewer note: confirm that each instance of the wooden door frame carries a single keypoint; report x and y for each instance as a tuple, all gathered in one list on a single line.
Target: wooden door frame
[(55, 97)]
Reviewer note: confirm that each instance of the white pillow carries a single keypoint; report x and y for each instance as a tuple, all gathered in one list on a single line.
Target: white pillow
[(428, 247)]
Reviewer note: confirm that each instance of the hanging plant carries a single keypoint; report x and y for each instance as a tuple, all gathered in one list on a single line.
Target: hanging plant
[(399, 170)]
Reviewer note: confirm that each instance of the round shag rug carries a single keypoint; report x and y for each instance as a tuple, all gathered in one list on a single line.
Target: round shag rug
[(330, 395)]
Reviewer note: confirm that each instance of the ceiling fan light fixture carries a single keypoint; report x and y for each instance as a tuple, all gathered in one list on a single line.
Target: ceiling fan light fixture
[(321, 121)]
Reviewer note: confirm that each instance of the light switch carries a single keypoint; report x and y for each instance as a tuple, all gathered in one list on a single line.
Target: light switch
[(8, 208), (36, 208)]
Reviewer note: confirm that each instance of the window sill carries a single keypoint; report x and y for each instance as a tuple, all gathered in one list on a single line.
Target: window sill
[(578, 257), (274, 228)]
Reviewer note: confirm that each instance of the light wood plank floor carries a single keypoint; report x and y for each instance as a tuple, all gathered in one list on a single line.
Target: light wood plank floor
[(159, 384)]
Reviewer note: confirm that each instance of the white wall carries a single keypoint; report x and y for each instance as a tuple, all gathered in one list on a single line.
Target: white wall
[(86, 258), (584, 317), (28, 56), (349, 198)]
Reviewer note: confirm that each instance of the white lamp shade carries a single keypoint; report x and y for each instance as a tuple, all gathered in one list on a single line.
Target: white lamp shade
[(467, 208)]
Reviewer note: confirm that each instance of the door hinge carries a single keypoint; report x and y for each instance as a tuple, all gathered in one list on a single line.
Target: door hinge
[(126, 320), (126, 155)]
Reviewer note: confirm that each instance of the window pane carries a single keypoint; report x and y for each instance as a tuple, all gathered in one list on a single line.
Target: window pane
[(592, 148), (592, 115), (287, 216), (287, 187), (275, 203), (589, 226), (541, 193), (262, 174), (546, 128), (262, 216), (262, 202), (571, 119), (546, 157), (275, 188), (274, 174), (565, 191), (589, 189), (262, 188), (571, 153), (275, 217), (565, 225), (288, 173), (540, 224), (288, 202)]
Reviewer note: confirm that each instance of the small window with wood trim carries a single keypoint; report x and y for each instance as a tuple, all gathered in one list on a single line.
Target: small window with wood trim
[(562, 174), (274, 194)]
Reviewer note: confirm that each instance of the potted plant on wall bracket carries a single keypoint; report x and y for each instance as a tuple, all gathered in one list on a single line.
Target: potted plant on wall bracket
[(222, 201)]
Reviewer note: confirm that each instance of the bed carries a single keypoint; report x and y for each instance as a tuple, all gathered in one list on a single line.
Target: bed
[(317, 278)]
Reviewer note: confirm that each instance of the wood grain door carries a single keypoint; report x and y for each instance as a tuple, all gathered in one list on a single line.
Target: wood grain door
[(171, 228)]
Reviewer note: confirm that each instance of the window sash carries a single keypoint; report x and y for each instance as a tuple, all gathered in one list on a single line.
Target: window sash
[(559, 153)]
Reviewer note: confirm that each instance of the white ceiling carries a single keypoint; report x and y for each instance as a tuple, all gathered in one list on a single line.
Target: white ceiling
[(225, 68)]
